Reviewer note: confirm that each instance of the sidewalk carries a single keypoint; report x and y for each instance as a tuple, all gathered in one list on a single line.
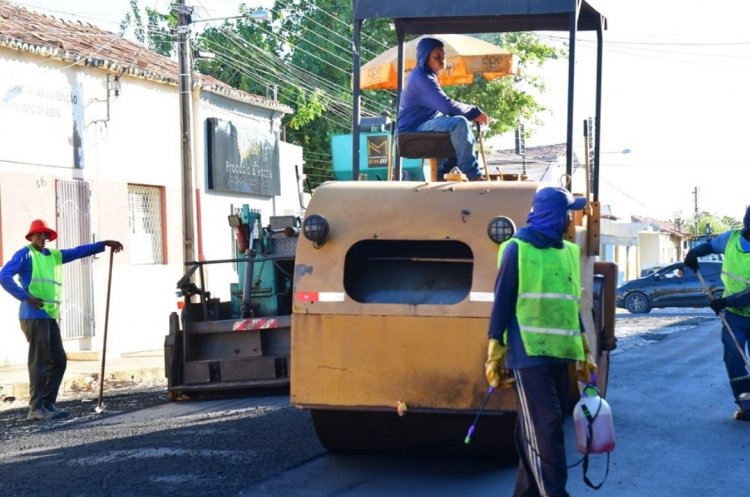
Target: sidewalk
[(82, 376)]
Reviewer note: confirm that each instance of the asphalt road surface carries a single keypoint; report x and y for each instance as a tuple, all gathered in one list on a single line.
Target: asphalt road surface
[(672, 408), (143, 446), (668, 391)]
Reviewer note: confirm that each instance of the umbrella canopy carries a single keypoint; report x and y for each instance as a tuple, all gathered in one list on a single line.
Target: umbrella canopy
[(465, 56)]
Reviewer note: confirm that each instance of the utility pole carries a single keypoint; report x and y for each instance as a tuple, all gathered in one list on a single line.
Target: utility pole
[(184, 18), (592, 170), (184, 14), (521, 146), (695, 200)]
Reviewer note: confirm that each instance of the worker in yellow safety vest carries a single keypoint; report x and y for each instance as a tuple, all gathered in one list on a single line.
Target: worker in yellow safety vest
[(535, 332), (735, 304)]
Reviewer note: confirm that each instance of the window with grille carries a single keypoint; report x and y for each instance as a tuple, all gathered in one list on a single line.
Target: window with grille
[(145, 220)]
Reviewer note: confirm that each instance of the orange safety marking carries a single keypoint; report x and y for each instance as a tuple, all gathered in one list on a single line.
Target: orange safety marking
[(255, 324), (307, 296)]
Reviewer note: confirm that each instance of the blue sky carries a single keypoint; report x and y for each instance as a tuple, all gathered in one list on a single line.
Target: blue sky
[(675, 94)]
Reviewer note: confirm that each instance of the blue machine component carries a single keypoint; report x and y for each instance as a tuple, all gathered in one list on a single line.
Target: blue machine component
[(264, 284), (374, 147), (212, 345)]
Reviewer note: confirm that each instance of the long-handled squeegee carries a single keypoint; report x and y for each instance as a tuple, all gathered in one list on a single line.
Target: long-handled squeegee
[(100, 404)]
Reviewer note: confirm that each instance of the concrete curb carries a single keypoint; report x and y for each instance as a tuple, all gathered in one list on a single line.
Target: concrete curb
[(82, 376), (88, 383)]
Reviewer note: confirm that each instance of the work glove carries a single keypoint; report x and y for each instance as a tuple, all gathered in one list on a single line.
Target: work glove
[(497, 376), (585, 369), (718, 305), (691, 260)]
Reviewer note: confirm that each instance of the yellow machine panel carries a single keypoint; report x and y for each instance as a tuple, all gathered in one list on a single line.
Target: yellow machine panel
[(391, 305), (373, 362)]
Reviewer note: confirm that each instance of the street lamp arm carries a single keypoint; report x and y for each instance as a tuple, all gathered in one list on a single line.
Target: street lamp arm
[(258, 15)]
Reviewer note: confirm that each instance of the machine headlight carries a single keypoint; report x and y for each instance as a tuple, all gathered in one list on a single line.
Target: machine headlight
[(500, 229), (315, 229)]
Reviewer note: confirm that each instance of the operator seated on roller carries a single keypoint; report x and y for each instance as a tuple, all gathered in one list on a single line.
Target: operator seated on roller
[(535, 331), (425, 107), (735, 274)]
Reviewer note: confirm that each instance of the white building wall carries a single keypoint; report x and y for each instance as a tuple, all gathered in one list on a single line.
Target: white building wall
[(620, 241), (139, 144), (649, 249), (656, 248), (216, 205)]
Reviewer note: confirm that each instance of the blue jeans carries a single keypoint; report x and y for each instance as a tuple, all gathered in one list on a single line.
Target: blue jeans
[(463, 143), (739, 378)]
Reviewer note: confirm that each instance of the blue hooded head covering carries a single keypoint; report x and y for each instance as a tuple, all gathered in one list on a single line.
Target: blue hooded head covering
[(548, 219), (424, 47), (746, 221)]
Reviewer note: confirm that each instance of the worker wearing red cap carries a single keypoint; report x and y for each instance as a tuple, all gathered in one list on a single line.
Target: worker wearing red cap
[(39, 270)]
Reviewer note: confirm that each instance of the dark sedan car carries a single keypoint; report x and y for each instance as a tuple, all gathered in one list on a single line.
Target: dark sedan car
[(671, 286)]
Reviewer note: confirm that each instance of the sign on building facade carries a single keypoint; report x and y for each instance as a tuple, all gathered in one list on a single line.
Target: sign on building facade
[(40, 106), (241, 160)]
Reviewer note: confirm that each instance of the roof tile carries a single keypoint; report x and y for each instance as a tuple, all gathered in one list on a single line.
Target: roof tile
[(83, 43)]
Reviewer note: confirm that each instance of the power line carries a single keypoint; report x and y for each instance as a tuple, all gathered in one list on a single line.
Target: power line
[(348, 26), (302, 75), (251, 72)]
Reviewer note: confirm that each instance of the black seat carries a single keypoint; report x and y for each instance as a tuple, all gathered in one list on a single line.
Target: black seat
[(426, 145)]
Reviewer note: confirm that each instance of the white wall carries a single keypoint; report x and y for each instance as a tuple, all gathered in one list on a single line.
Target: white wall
[(139, 144), (656, 248), (216, 205)]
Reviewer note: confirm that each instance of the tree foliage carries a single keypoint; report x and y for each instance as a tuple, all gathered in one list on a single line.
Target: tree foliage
[(507, 100), (303, 59), (157, 34), (318, 39), (711, 223)]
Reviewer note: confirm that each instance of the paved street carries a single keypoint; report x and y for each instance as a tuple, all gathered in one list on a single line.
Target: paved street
[(668, 393), (672, 410)]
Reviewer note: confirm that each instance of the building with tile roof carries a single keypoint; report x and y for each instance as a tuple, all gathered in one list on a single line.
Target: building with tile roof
[(541, 163), (90, 142), (632, 243)]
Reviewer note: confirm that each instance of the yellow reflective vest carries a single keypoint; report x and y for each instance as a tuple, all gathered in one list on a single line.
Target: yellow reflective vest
[(46, 279), (735, 271), (548, 304)]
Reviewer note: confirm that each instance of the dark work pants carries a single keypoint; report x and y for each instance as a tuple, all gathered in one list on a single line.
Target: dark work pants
[(542, 469), (47, 360), (739, 379)]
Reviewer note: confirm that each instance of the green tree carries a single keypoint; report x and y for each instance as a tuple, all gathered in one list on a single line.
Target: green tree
[(239, 48), (303, 59), (157, 34), (505, 100), (708, 222), (319, 39)]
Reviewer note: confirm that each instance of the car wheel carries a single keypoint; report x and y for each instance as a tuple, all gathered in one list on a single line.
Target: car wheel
[(637, 303)]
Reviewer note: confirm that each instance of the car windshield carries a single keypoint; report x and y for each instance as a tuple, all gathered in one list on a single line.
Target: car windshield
[(675, 271)]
